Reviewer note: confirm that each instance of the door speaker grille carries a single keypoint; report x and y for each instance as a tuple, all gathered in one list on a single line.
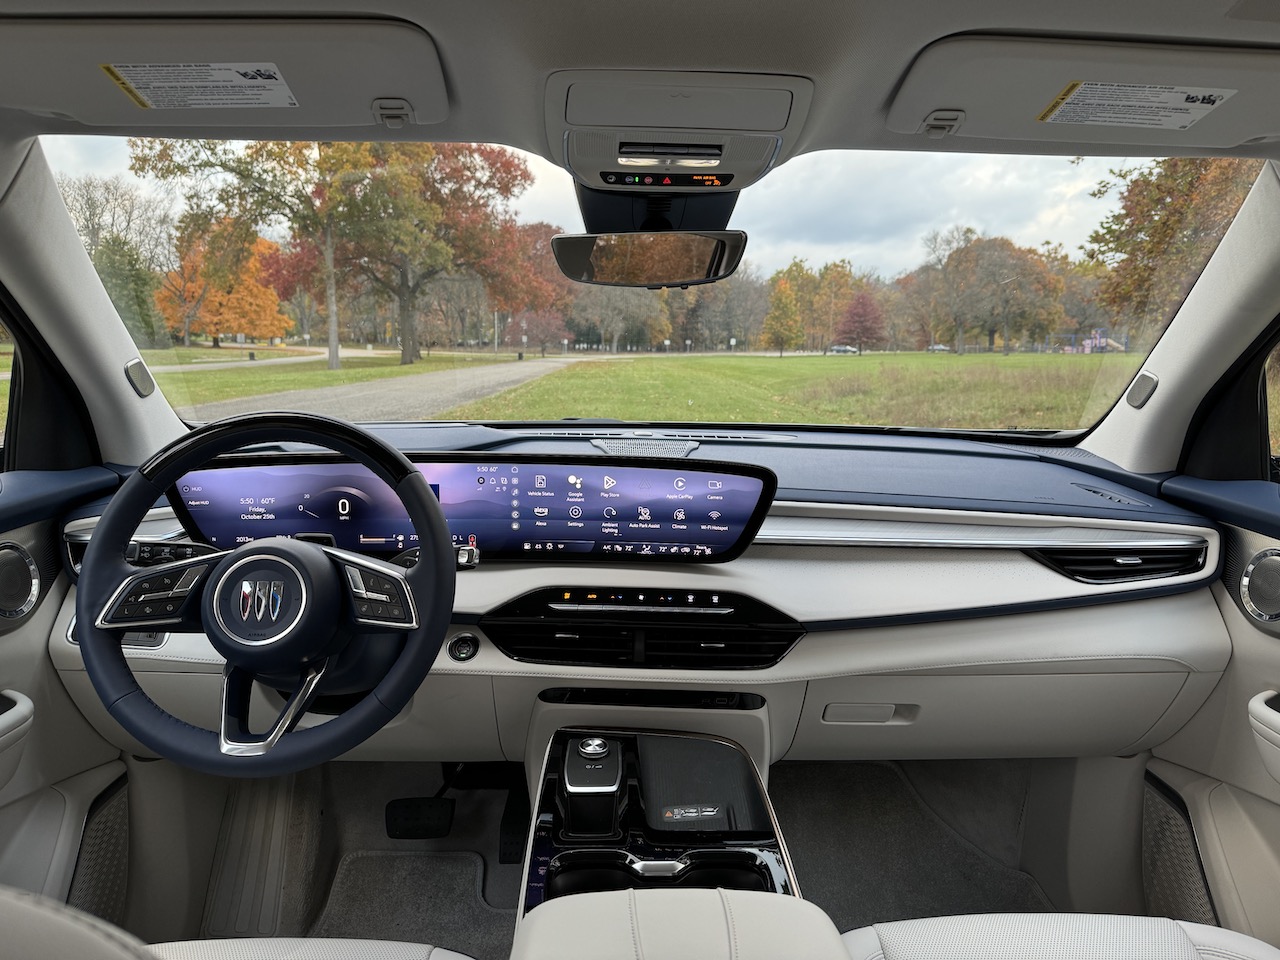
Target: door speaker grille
[(1260, 586)]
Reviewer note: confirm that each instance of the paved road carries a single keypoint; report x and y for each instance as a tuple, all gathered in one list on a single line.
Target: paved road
[(422, 396)]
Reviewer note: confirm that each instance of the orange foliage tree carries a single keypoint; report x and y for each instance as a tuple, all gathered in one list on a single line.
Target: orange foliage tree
[(199, 295)]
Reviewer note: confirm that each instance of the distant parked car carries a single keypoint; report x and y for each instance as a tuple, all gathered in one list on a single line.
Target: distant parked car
[(937, 348), (842, 348)]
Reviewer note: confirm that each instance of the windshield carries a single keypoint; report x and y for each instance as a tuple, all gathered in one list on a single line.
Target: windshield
[(416, 281)]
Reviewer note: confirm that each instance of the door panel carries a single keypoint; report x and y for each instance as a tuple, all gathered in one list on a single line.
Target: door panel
[(1215, 764)]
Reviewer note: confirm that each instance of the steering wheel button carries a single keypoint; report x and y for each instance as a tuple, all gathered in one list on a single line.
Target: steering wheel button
[(396, 613), (188, 580), (363, 607)]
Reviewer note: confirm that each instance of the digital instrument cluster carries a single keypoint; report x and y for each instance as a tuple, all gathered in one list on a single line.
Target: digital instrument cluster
[(509, 509)]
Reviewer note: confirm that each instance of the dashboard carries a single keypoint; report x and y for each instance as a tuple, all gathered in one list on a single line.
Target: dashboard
[(522, 508), (884, 596)]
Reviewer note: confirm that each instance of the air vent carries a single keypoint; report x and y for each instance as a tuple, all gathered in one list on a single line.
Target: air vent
[(643, 628), (674, 150), (565, 643), (1120, 565)]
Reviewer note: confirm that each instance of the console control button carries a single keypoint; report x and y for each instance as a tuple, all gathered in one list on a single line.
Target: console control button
[(593, 748)]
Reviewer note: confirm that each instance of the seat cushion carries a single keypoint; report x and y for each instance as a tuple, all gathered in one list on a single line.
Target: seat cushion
[(1051, 936), (297, 948), (677, 924), (33, 927)]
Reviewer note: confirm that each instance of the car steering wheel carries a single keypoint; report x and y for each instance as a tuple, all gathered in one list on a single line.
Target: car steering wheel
[(278, 610)]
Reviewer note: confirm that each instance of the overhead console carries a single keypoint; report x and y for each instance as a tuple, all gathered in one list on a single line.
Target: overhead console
[(673, 132), (551, 509)]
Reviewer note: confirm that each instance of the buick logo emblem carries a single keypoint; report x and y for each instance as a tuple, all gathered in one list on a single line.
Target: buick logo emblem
[(261, 599)]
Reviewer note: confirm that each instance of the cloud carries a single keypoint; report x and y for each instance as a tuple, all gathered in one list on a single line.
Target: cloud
[(550, 199), (874, 208), (77, 156)]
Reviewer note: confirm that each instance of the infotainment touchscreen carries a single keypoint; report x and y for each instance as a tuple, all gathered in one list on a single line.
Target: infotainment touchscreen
[(509, 509)]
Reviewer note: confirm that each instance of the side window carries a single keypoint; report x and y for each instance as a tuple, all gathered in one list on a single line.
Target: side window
[(7, 350), (1271, 384)]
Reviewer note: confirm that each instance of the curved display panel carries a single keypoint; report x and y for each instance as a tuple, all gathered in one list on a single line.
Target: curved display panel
[(509, 508)]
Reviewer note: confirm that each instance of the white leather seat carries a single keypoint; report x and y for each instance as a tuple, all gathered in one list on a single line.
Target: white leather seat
[(36, 928), (299, 948), (1052, 936)]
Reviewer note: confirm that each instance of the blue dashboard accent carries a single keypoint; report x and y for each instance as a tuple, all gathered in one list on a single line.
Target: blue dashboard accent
[(30, 495), (1251, 504)]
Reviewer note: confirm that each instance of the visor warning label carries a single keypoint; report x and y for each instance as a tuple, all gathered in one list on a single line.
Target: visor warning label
[(1152, 106), (201, 86)]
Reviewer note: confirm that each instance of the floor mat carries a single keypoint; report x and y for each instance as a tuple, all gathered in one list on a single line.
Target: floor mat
[(430, 898), (866, 850)]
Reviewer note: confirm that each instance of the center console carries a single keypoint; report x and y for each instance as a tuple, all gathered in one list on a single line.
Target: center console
[(628, 810)]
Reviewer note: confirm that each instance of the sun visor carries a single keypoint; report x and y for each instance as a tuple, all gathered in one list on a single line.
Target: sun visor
[(222, 73), (1130, 94), (673, 132)]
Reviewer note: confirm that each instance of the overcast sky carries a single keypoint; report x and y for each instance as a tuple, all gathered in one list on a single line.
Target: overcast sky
[(869, 208)]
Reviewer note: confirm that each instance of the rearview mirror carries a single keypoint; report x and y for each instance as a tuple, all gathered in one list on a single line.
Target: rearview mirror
[(670, 259)]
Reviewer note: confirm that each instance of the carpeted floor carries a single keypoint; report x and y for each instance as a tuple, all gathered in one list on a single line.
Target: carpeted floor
[(867, 850), (431, 898)]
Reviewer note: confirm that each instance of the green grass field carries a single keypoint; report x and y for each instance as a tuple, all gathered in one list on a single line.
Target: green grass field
[(1021, 391), (210, 384), (227, 354)]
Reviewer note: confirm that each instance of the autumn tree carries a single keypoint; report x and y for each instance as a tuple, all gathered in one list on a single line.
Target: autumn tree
[(520, 271), (262, 182), (247, 305), (783, 329), (802, 284), (425, 210), (1171, 216), (1007, 290), (209, 254), (863, 322), (293, 270), (835, 290), (940, 281)]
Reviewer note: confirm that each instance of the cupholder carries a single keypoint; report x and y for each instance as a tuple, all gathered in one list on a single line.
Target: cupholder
[(589, 871)]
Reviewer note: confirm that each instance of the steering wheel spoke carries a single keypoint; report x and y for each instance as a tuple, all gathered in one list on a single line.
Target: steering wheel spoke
[(167, 595), (234, 737), (379, 594)]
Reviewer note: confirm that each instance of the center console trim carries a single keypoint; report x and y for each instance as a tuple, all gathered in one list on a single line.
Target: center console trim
[(613, 731)]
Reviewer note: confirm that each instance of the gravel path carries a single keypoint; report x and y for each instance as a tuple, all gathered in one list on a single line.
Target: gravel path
[(422, 396)]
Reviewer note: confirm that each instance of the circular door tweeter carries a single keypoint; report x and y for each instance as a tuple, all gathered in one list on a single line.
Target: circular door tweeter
[(1260, 586), (19, 581)]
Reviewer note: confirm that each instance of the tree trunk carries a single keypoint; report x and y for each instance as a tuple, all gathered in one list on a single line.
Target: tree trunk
[(331, 296), (408, 326)]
